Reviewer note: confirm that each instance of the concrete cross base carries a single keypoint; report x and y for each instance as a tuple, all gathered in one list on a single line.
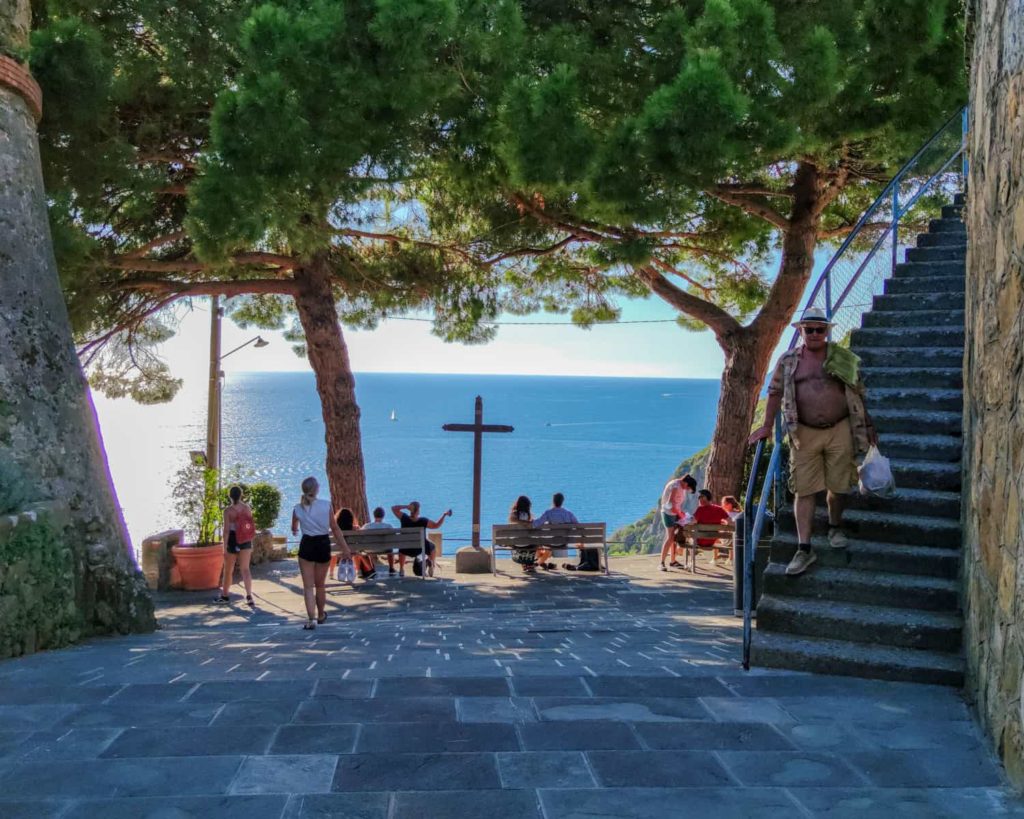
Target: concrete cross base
[(472, 561)]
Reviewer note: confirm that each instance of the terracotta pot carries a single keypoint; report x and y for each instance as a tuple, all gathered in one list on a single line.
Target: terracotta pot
[(200, 566)]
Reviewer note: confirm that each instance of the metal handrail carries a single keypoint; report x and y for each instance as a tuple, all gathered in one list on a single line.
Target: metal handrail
[(753, 521)]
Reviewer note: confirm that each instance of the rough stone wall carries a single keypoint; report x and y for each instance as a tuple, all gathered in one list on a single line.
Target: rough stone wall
[(993, 570)]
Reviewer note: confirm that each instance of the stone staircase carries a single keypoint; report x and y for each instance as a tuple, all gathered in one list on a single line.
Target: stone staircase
[(888, 606)]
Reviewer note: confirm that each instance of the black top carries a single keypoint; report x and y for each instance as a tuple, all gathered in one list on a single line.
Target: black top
[(409, 523)]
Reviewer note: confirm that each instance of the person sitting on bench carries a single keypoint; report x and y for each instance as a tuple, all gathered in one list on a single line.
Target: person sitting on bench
[(528, 556), (556, 514), (409, 516), (709, 513)]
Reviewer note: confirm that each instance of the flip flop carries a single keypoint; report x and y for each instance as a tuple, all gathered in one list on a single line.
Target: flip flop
[(310, 626), (321, 620)]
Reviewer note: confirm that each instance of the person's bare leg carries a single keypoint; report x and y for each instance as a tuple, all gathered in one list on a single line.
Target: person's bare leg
[(836, 503), (391, 563), (669, 541), (333, 566), (244, 559), (307, 570), (320, 581), (229, 573), (803, 510)]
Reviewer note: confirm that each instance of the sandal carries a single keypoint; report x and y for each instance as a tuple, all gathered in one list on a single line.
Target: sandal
[(310, 626), (249, 601), (222, 599), (675, 564), (321, 620), (568, 567)]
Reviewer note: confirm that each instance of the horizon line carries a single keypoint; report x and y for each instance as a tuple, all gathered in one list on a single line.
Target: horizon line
[(488, 375)]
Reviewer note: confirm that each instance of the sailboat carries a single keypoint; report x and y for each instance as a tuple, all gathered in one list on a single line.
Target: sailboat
[(394, 417)]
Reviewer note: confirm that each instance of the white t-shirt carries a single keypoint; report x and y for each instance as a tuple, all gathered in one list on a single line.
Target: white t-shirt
[(378, 525), (314, 519)]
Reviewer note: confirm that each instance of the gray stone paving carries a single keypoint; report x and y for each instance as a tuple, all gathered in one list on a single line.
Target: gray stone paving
[(548, 697)]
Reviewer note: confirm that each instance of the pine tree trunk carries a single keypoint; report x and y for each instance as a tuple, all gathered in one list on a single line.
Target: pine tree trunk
[(748, 352), (328, 356), (48, 429)]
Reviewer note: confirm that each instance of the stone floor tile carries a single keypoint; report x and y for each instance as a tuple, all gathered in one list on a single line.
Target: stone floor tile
[(181, 807), (495, 709), (943, 768), (662, 686), (307, 773), (34, 717), (823, 735), (137, 715), (420, 772), (420, 737), (443, 687), (567, 686), (11, 740), (910, 735), (245, 691), (878, 710), (736, 709), (658, 769), (911, 803), (67, 743), (256, 712), (33, 810), (315, 739), (394, 709), (217, 741), (711, 736), (729, 802), (649, 709), (150, 693), (577, 736), (544, 769), (338, 806), (789, 769), (343, 689), (44, 694), (504, 804), (118, 777)]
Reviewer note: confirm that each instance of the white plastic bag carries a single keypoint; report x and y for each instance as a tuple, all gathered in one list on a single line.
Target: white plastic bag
[(876, 475)]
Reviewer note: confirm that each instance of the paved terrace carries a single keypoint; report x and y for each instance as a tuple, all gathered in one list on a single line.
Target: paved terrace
[(546, 696)]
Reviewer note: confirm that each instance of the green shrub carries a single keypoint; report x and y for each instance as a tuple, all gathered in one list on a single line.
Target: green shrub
[(265, 500), (197, 503)]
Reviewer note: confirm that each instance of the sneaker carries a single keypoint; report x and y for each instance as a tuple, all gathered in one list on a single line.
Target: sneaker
[(836, 537), (401, 572), (391, 572), (801, 562), (664, 568), (372, 575)]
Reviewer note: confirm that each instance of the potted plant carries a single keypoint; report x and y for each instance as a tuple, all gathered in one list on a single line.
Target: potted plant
[(200, 562)]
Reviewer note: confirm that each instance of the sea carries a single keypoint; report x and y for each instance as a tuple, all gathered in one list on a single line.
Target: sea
[(608, 444)]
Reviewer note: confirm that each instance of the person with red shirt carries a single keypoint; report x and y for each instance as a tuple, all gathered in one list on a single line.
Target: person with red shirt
[(709, 513)]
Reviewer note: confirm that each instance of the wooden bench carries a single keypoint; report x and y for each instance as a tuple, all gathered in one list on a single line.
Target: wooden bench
[(692, 532), (381, 541), (512, 536)]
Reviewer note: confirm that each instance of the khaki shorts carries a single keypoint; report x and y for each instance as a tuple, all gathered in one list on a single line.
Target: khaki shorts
[(823, 460)]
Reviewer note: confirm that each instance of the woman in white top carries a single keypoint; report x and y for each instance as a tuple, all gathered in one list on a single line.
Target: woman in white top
[(313, 516)]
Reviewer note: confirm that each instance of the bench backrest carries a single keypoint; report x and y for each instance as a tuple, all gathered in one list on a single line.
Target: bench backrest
[(555, 535), (383, 540), (709, 531)]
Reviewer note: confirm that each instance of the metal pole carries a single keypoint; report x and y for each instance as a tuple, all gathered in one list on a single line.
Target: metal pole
[(964, 126), (213, 398), (895, 224), (478, 438)]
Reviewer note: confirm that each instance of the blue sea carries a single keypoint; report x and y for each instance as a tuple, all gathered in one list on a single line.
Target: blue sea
[(608, 444)]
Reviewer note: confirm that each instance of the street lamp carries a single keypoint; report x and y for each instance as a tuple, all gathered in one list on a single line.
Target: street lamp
[(213, 405)]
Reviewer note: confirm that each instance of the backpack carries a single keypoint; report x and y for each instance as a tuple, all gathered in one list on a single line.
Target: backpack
[(245, 527), (417, 566)]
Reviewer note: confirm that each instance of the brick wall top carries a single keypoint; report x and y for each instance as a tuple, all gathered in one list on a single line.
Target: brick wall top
[(15, 76)]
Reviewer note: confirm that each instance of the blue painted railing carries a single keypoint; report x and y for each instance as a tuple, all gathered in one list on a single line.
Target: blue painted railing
[(857, 275)]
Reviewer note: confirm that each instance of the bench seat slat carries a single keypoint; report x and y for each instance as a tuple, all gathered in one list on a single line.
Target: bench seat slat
[(383, 540)]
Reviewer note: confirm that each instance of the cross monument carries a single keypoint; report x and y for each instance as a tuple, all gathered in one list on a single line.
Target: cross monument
[(478, 428)]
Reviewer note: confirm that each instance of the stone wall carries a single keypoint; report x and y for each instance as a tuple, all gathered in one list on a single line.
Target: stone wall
[(993, 570)]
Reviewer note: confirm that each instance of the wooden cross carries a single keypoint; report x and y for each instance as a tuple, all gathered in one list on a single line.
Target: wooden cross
[(478, 428)]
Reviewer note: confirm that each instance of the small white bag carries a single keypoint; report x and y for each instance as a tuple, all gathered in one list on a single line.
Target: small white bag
[(876, 475)]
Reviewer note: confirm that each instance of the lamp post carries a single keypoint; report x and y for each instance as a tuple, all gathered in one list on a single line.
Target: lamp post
[(213, 404)]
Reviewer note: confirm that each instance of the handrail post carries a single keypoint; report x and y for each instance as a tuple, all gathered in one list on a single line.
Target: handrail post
[(964, 126), (895, 224)]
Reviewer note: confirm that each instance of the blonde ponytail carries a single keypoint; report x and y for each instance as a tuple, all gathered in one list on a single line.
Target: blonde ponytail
[(310, 487)]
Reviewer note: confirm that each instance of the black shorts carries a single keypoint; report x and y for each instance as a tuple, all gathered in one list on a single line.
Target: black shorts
[(315, 548), (234, 547), (414, 552)]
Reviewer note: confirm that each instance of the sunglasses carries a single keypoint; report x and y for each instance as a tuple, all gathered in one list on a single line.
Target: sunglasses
[(814, 331)]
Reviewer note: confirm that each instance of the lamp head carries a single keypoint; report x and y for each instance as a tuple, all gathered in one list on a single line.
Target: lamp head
[(261, 342)]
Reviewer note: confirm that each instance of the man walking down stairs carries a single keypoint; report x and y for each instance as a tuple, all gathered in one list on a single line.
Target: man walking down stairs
[(887, 605)]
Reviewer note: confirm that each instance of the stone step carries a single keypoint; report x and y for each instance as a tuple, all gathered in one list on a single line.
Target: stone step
[(955, 225), (946, 448), (928, 503), (858, 623), (923, 398), (913, 336), (926, 475), (922, 357), (903, 591), (914, 318), (895, 527), (946, 267), (942, 239), (938, 253), (951, 378), (872, 556), (909, 302), (925, 284), (773, 650), (952, 212), (939, 422)]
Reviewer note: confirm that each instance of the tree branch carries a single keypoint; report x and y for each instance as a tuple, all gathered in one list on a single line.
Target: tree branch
[(719, 321), (751, 189), (228, 288), (128, 262), (751, 206), (843, 230), (152, 244)]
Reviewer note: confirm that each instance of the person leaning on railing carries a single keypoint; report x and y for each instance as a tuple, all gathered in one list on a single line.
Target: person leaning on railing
[(819, 389)]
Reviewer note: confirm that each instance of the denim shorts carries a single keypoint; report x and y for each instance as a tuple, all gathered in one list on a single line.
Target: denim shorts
[(669, 520)]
